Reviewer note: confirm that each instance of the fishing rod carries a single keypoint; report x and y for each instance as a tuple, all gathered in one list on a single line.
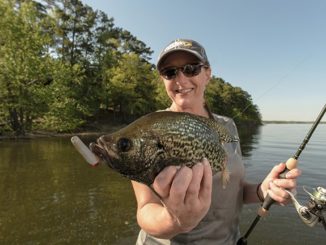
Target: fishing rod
[(291, 163)]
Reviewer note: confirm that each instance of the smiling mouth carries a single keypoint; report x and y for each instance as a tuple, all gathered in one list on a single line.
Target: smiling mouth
[(184, 91)]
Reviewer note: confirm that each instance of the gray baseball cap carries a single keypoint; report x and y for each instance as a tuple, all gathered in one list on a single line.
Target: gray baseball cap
[(185, 45)]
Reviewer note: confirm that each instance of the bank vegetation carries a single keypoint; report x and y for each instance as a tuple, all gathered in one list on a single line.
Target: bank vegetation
[(65, 67)]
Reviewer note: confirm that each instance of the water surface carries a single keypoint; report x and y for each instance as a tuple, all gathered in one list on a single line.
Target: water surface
[(49, 195)]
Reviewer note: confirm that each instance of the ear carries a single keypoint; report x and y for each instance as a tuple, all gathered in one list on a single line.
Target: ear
[(208, 74)]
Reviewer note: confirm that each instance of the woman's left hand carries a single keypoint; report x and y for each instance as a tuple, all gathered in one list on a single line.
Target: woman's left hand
[(275, 187)]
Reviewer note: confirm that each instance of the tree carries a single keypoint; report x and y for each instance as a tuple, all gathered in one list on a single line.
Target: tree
[(233, 102), (66, 110), (62, 64), (24, 70), (131, 87)]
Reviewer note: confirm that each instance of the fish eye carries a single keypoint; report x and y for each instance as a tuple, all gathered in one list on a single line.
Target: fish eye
[(124, 144)]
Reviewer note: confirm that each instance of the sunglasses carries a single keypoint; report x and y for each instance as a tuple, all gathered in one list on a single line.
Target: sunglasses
[(188, 70)]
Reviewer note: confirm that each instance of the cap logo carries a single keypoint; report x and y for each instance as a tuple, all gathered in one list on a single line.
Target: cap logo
[(177, 44)]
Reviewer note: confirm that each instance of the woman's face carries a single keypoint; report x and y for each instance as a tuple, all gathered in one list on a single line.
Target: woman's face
[(186, 93)]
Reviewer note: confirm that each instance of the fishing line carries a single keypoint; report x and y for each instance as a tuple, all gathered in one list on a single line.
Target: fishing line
[(277, 83)]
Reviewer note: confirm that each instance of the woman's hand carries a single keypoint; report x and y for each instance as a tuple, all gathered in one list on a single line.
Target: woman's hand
[(274, 186), (185, 193)]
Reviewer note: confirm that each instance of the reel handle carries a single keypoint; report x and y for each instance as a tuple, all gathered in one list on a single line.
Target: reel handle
[(291, 163)]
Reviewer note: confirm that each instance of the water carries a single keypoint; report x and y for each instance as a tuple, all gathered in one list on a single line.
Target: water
[(273, 144), (49, 195)]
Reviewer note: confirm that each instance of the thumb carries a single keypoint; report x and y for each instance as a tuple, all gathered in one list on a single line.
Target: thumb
[(276, 170), (273, 174)]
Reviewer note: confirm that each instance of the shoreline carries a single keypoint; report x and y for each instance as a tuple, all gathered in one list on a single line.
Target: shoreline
[(49, 134), (101, 131), (37, 135), (290, 122)]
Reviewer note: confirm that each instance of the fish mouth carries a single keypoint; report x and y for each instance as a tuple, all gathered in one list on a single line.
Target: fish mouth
[(105, 150), (101, 151)]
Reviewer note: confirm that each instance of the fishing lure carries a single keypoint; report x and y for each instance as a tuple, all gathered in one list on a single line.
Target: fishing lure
[(84, 151)]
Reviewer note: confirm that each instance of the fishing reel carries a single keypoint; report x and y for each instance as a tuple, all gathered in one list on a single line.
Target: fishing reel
[(312, 213)]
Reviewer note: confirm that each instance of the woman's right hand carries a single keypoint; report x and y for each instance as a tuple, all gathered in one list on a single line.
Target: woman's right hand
[(185, 193)]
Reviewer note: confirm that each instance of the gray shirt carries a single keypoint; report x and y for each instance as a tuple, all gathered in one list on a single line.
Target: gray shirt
[(221, 223)]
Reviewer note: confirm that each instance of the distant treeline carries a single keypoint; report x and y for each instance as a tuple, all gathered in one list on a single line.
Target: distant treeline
[(64, 65), (291, 122)]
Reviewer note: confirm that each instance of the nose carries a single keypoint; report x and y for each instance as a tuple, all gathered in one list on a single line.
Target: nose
[(181, 78)]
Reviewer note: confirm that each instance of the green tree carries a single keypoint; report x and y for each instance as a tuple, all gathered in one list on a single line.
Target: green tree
[(131, 87), (62, 64), (66, 110), (233, 102), (162, 99), (24, 70), (90, 39)]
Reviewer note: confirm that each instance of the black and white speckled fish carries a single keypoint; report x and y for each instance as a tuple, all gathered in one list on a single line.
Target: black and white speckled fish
[(142, 149)]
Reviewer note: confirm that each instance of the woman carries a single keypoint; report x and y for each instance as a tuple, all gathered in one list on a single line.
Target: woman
[(194, 207)]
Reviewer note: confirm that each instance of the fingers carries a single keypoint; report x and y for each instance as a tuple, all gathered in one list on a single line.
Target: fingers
[(185, 184), (276, 170), (276, 186), (206, 184), (163, 181), (278, 194), (197, 175), (200, 186), (285, 183), (293, 174), (180, 184)]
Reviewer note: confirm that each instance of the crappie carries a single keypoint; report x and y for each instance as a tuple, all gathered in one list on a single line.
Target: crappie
[(159, 139)]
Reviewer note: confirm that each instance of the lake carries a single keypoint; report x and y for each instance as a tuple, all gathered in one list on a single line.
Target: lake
[(50, 195)]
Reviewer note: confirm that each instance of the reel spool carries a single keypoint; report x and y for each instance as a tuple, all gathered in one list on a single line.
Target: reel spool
[(312, 213)]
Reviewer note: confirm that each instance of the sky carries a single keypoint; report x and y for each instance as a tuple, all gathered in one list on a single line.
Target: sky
[(275, 50)]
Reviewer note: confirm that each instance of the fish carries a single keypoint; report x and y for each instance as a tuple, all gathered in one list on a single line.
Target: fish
[(142, 149)]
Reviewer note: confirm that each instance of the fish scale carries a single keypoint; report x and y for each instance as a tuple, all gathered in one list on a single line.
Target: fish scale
[(142, 149)]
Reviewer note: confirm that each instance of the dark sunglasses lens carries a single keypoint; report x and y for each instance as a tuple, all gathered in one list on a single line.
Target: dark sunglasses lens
[(169, 73), (188, 70), (191, 70)]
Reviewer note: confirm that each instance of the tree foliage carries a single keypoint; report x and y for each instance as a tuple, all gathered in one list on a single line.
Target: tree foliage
[(231, 101), (62, 64), (25, 63), (130, 85)]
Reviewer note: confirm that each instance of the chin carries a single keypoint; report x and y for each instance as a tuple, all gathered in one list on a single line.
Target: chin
[(184, 103)]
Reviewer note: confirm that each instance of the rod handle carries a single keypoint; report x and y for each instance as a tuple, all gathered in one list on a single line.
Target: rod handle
[(291, 163)]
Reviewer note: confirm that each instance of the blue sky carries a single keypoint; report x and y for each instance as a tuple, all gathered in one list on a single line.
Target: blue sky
[(274, 50)]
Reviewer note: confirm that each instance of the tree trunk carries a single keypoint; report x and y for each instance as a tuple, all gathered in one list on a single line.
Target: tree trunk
[(15, 122)]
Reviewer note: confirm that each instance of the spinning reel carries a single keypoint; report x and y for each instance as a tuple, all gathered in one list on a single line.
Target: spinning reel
[(312, 213)]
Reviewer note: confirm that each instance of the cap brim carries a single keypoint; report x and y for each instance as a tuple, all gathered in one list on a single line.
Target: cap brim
[(163, 57)]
